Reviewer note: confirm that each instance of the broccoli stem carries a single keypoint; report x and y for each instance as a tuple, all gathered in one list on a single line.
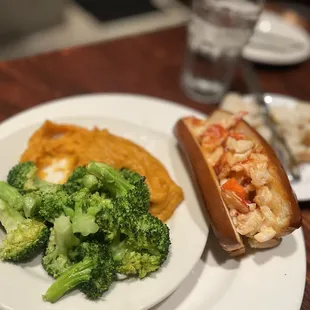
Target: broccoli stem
[(71, 278), (35, 183), (90, 182), (85, 225), (39, 183), (117, 249), (65, 238), (62, 240), (83, 221), (111, 179), (31, 205), (11, 196), (9, 217)]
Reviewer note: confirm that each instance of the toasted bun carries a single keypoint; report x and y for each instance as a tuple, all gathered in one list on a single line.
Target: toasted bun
[(207, 181)]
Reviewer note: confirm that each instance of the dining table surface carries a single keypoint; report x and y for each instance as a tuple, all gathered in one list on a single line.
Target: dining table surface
[(148, 64)]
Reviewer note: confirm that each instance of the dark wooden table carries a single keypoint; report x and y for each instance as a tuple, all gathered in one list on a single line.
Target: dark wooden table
[(146, 64)]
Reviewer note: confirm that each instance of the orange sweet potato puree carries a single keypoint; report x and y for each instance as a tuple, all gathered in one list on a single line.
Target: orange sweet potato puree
[(55, 142)]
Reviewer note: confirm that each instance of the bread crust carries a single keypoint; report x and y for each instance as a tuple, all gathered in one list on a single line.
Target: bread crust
[(217, 212), (207, 181)]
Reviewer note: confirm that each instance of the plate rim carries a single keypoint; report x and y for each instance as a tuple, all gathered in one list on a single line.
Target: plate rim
[(250, 53), (297, 187), (203, 283), (60, 100)]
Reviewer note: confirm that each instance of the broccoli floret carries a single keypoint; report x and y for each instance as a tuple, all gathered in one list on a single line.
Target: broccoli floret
[(126, 187), (131, 263), (11, 196), (112, 181), (23, 177), (108, 218), (74, 275), (24, 237), (103, 274), (56, 258), (141, 246), (80, 179), (139, 196), (151, 235), (47, 203), (140, 184), (53, 204), (93, 273), (113, 212), (83, 215), (77, 175)]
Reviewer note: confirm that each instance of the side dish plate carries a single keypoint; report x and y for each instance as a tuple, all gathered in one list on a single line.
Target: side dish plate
[(301, 188), (148, 122)]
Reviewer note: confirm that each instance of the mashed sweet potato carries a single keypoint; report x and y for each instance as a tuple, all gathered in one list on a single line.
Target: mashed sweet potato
[(76, 146)]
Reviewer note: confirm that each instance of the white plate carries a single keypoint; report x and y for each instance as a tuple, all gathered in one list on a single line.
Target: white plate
[(270, 280), (149, 122), (301, 188), (235, 102), (282, 55)]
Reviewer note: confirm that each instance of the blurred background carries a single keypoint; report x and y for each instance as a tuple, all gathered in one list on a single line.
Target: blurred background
[(29, 27)]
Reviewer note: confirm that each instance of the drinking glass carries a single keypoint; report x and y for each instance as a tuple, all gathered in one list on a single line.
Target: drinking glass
[(217, 32)]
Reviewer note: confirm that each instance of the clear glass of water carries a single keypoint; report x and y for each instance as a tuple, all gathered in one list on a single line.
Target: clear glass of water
[(218, 30)]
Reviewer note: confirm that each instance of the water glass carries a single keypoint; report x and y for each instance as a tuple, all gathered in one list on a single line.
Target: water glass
[(218, 30)]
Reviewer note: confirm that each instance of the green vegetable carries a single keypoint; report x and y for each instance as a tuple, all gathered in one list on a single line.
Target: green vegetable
[(99, 226), (142, 245), (93, 274), (80, 179), (83, 216), (112, 181), (139, 245), (140, 196), (126, 187), (53, 203), (56, 259), (24, 237), (108, 218), (11, 196), (32, 204), (23, 177)]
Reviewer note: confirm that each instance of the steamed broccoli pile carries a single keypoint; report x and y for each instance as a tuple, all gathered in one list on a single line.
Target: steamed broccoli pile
[(90, 229)]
